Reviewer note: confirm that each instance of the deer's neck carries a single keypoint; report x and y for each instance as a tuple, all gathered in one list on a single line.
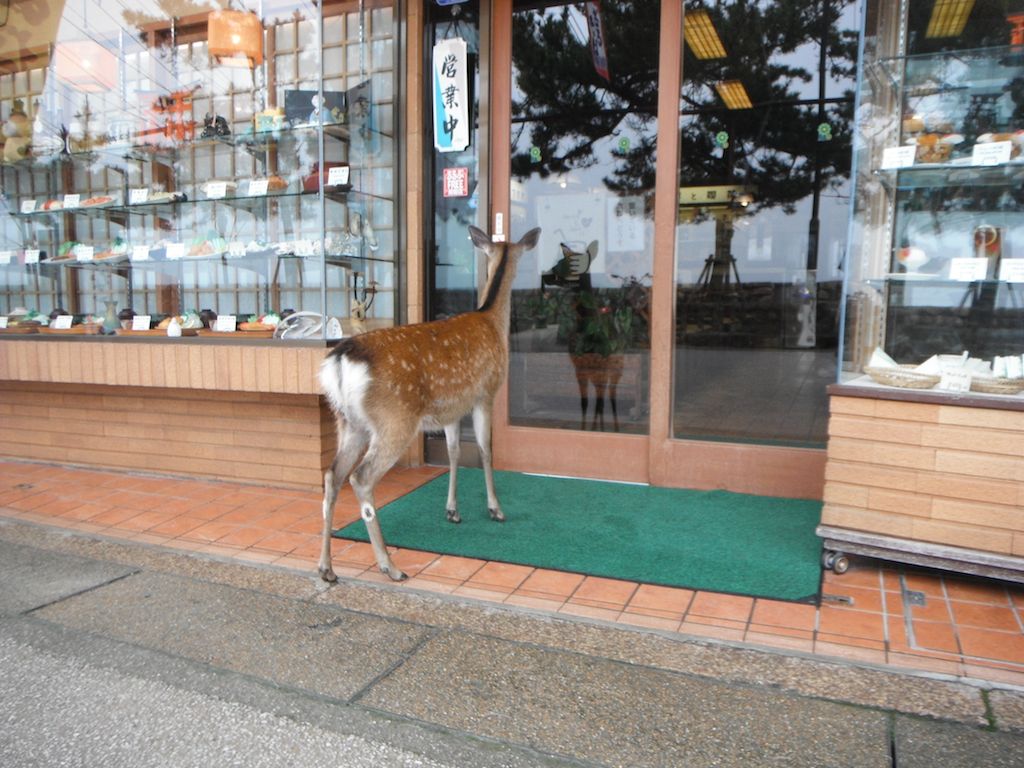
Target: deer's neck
[(497, 300)]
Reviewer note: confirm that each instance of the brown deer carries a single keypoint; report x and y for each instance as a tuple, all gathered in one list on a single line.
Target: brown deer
[(387, 385)]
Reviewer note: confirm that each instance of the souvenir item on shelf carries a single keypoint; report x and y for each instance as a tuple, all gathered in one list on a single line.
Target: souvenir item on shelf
[(17, 133)]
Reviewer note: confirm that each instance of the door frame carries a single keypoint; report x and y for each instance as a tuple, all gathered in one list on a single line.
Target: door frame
[(657, 458)]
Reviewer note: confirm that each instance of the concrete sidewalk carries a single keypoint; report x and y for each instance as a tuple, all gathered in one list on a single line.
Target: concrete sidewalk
[(117, 653)]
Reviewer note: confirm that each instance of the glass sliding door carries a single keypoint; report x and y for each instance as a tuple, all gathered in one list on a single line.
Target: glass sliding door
[(764, 112)]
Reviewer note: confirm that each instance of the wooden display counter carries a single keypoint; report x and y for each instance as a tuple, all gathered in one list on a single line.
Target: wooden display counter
[(245, 411), (927, 478)]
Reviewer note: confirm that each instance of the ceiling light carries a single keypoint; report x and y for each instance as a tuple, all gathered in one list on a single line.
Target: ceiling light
[(733, 94), (235, 38), (86, 65), (949, 18), (700, 35)]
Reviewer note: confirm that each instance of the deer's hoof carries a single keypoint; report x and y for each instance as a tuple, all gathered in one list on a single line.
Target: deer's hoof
[(496, 515), (453, 515), (395, 574), (328, 575)]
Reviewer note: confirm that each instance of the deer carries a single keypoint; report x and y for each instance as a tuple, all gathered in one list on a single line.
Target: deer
[(387, 385)]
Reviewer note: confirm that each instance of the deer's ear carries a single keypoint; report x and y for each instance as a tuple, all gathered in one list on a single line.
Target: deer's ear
[(529, 240), (592, 249), (567, 251), (480, 238)]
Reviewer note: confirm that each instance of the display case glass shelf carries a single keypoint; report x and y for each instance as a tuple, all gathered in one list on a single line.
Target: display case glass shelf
[(146, 168)]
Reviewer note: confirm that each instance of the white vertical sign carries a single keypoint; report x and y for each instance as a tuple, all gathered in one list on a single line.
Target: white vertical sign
[(598, 52), (451, 95)]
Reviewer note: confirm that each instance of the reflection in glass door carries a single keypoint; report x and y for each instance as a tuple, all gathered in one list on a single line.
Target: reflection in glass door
[(765, 110), (583, 128)]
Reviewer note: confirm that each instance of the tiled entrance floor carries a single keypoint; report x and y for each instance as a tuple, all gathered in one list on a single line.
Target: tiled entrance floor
[(876, 613)]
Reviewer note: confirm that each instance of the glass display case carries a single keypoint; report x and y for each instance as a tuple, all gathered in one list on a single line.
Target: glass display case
[(935, 283), (222, 171)]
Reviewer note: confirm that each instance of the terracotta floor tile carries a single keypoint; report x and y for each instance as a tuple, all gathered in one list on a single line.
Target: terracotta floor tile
[(935, 636), (242, 536), (980, 591), (62, 507), (143, 521), (358, 552), (282, 542), (773, 640), (985, 616), (495, 595), (1008, 676), (453, 567), (850, 623), (506, 576), (534, 603), (209, 532), (256, 556), (205, 492), (924, 663), (176, 526), (714, 604), (436, 584), (987, 644), (859, 575), (112, 516), (919, 582), (708, 630), (550, 584), (863, 598), (590, 611), (663, 600), (767, 629), (32, 501), (208, 510), (1017, 597), (850, 652), (83, 492), (144, 502), (934, 609), (240, 515), (311, 526), (897, 632), (649, 622), (412, 561), (777, 613), (714, 621), (600, 592), (301, 508)]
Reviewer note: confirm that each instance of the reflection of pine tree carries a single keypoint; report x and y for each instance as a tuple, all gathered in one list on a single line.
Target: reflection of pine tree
[(774, 147)]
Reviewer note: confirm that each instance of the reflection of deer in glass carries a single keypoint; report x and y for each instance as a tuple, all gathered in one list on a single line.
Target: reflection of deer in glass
[(603, 374)]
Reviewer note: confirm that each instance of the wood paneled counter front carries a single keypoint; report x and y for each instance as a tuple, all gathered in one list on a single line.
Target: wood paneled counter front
[(926, 477), (240, 410)]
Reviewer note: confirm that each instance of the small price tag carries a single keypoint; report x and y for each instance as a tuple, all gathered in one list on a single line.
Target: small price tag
[(6, 256), (258, 187), (138, 196), (338, 175), (898, 157), (3, 321), (141, 322), (84, 252), (32, 256), (28, 206), (968, 269), (71, 200), (991, 153), (956, 381), (140, 253), (225, 324), (236, 249), (216, 189), (175, 250), (62, 322), (1012, 270)]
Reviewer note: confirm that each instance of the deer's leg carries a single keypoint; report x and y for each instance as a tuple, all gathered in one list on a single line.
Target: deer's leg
[(482, 430), (613, 391), (379, 458), (581, 382), (451, 436), (351, 444)]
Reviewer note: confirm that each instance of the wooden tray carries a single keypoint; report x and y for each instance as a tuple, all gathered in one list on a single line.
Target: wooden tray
[(17, 329), (155, 332), (267, 334), (85, 329)]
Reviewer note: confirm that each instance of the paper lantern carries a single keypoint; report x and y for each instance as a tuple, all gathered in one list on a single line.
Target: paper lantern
[(236, 38), (86, 65)]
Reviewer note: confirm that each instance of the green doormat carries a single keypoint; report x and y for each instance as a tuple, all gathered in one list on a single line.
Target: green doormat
[(711, 540)]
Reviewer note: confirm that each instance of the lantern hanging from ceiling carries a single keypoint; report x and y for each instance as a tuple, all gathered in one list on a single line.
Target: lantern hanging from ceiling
[(86, 65), (236, 38)]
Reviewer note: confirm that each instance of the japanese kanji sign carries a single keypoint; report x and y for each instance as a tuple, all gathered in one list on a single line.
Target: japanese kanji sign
[(455, 182), (597, 46), (451, 96)]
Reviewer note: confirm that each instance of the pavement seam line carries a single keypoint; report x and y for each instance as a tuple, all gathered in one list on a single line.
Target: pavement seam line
[(396, 665), (80, 592)]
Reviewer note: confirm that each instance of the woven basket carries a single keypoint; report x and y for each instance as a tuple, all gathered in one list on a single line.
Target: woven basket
[(997, 386), (905, 376)]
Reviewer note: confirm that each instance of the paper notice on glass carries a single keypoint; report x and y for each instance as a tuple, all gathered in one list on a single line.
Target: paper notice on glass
[(1012, 270), (28, 206), (3, 321), (225, 324), (338, 175), (6, 256), (968, 269), (32, 256), (84, 252), (257, 187), (138, 196), (955, 381), (625, 216), (71, 200), (898, 157), (991, 153)]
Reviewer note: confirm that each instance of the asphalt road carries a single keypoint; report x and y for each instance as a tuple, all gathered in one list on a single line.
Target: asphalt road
[(113, 654)]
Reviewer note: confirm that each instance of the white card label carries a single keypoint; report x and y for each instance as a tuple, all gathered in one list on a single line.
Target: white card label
[(225, 324), (71, 200), (6, 256), (137, 196), (141, 322), (175, 250), (140, 253), (968, 269), (337, 175), (84, 252), (991, 153), (236, 249), (32, 256), (898, 157), (956, 381), (62, 322), (28, 206), (216, 189), (258, 187), (3, 321), (1012, 270)]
